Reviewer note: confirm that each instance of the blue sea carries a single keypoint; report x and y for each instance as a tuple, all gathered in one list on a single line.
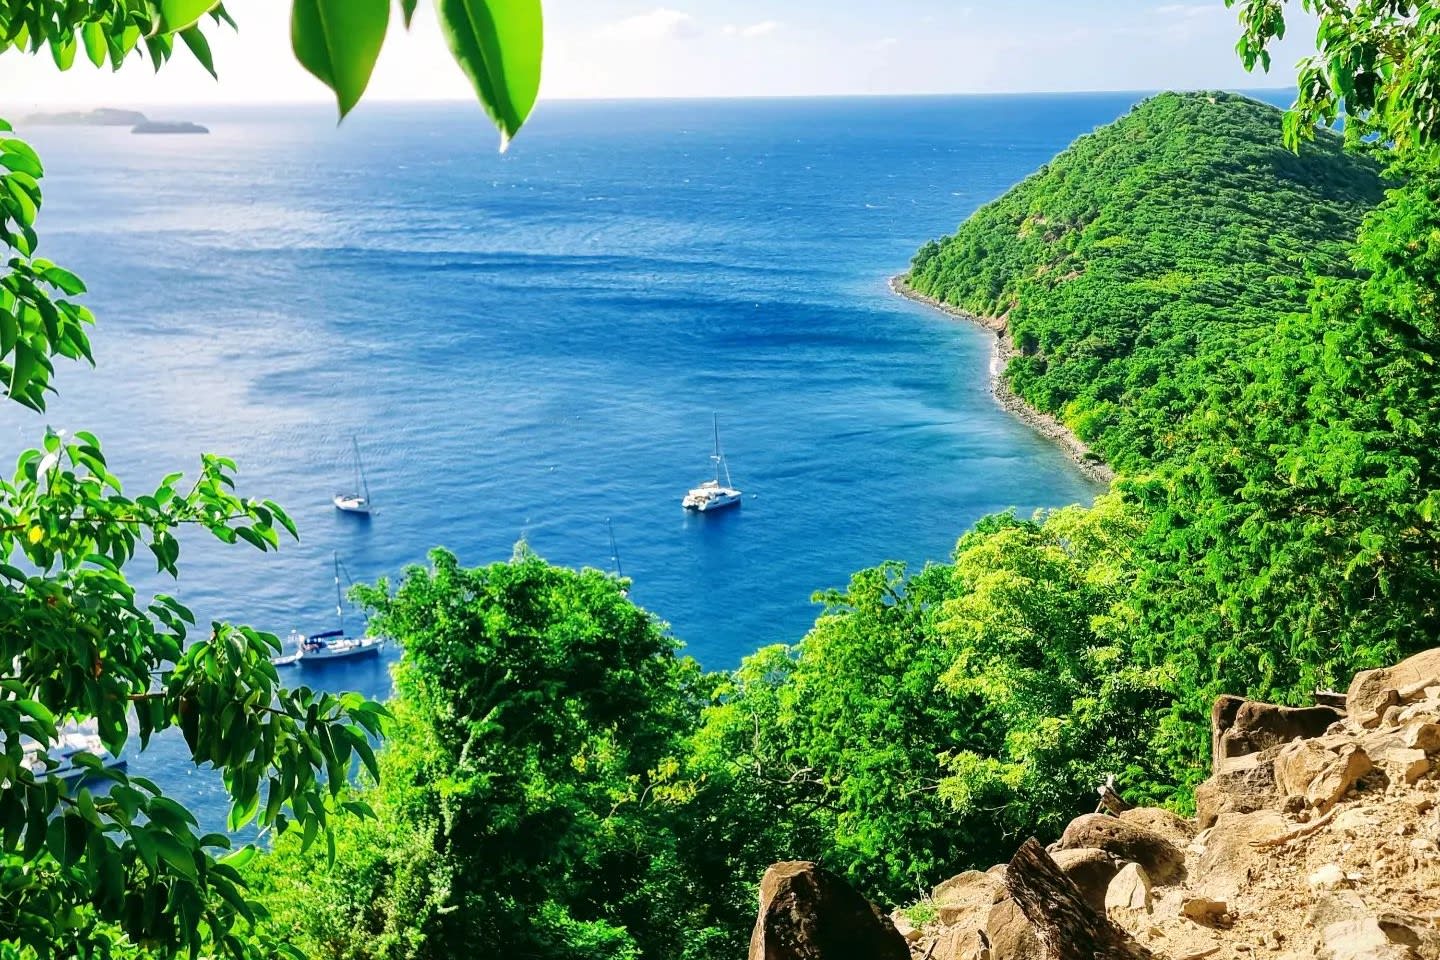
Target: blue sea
[(528, 345)]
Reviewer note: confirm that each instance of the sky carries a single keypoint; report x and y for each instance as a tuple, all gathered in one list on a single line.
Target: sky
[(726, 48)]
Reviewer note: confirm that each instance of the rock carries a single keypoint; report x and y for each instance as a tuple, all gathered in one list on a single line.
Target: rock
[(1335, 906), (1328, 877), (1161, 859), (1091, 870), (1360, 940), (1408, 765), (904, 927), (1222, 867), (1373, 690), (1130, 890), (1257, 726), (1222, 717), (1322, 776), (1391, 717), (958, 943), (1177, 830), (966, 897), (1242, 785), (808, 913), (1206, 912), (1422, 736), (1011, 936)]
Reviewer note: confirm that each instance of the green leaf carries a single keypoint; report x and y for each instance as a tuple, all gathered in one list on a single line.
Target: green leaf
[(407, 8), (178, 15), (200, 47), (95, 47), (63, 50), (499, 44), (338, 41)]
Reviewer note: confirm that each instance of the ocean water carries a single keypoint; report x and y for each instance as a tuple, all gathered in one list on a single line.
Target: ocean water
[(528, 345)]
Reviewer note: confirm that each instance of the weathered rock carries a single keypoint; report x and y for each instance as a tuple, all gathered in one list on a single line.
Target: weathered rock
[(1091, 870), (1360, 940), (1322, 776), (1164, 861), (1370, 690), (808, 913), (1205, 911), (1260, 725), (1222, 867), (958, 943), (1423, 736), (1242, 785), (966, 897), (1328, 877), (1222, 717), (1177, 830), (1129, 891), (1407, 765), (904, 927), (1011, 936)]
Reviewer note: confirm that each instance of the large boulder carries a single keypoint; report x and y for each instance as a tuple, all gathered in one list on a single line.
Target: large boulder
[(1091, 870), (1372, 690), (1222, 717), (1176, 829), (966, 899), (1162, 860), (1364, 940), (1224, 866), (1257, 726), (1242, 785), (1011, 935), (1319, 774), (808, 913)]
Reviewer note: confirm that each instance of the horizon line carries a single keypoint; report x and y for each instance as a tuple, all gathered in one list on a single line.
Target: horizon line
[(682, 98)]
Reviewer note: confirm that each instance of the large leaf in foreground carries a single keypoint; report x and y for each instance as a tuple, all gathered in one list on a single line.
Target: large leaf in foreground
[(499, 44), (338, 41)]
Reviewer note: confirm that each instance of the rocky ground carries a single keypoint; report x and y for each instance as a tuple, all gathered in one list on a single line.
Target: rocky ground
[(1317, 836)]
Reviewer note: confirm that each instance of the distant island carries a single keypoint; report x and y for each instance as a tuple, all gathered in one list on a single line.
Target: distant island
[(110, 117), (168, 126), (100, 117)]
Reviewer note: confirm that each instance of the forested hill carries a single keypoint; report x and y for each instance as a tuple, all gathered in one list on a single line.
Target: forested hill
[(1135, 267)]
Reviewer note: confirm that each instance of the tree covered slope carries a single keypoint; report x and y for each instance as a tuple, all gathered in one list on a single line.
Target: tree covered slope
[(1136, 265)]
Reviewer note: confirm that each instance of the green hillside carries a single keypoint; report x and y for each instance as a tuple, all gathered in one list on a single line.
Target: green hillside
[(1166, 239)]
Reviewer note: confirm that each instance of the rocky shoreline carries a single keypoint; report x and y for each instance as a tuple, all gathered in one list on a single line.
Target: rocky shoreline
[(1044, 424)]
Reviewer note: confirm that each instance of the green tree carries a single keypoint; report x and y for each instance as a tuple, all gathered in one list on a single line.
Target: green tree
[(530, 800)]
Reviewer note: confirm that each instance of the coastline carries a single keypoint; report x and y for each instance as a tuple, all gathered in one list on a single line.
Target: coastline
[(1044, 424)]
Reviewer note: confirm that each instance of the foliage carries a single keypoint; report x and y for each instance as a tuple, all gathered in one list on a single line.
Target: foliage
[(529, 800), (498, 44), (924, 724), (1137, 264), (1377, 68)]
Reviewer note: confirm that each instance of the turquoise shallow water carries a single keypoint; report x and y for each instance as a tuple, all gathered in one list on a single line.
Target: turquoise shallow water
[(529, 344)]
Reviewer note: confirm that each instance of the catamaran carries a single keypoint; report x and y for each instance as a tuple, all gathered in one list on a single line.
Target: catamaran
[(329, 644), (73, 739), (359, 500), (712, 494)]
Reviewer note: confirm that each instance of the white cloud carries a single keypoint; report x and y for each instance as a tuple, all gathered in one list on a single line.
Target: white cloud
[(662, 23), (760, 29)]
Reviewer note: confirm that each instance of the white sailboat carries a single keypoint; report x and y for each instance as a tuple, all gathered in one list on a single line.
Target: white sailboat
[(713, 494), (330, 644), (359, 500)]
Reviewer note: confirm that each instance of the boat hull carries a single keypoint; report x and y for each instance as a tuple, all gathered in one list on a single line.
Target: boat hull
[(350, 504), (712, 504)]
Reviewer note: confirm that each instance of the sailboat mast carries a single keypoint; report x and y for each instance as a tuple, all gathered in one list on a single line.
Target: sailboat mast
[(614, 551), (719, 457), (339, 597), (361, 484)]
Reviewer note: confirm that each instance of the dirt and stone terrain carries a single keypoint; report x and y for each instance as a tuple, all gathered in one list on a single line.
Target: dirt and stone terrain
[(1317, 837)]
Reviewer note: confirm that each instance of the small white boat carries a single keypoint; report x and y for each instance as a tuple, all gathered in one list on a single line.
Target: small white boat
[(359, 500), (329, 644), (713, 494), (74, 739)]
